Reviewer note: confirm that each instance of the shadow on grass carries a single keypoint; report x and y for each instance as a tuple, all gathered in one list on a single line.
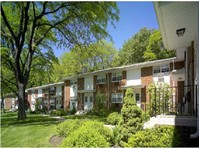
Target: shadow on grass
[(11, 119)]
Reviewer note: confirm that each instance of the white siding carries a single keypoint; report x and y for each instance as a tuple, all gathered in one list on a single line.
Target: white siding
[(39, 92), (59, 90), (88, 83), (166, 78), (73, 90), (134, 77)]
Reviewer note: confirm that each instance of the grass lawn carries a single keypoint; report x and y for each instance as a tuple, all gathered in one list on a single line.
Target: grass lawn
[(35, 131)]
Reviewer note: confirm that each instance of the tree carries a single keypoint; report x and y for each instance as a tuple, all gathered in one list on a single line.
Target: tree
[(96, 56), (28, 27), (155, 49), (133, 50), (131, 118)]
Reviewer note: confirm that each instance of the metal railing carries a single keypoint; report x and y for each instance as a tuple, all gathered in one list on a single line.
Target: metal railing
[(179, 100)]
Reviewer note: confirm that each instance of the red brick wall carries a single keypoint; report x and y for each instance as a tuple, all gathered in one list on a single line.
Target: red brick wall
[(177, 65), (67, 95), (7, 103), (80, 83), (146, 79)]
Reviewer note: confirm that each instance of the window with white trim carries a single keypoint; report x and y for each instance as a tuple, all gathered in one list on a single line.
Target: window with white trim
[(116, 77), (116, 98), (101, 79), (161, 69)]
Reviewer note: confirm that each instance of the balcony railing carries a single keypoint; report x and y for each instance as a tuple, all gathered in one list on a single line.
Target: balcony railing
[(179, 100)]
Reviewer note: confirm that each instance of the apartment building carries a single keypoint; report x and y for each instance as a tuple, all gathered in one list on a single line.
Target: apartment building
[(179, 26), (81, 90), (49, 96)]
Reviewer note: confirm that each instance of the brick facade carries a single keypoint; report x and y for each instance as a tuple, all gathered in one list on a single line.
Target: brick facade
[(67, 95), (146, 79)]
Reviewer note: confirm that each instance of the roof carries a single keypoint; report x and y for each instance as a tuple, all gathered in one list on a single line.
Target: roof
[(126, 67), (45, 86)]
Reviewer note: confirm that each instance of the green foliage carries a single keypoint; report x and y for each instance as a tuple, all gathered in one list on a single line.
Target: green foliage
[(83, 59), (135, 47), (100, 105), (131, 118), (113, 118), (160, 95), (155, 49), (145, 115), (58, 112), (89, 134), (29, 30), (163, 136), (73, 111), (68, 126)]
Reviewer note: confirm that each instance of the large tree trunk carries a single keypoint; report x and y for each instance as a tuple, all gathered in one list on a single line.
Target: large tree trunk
[(2, 105), (21, 101)]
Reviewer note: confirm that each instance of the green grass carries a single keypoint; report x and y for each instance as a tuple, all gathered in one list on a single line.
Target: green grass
[(35, 131)]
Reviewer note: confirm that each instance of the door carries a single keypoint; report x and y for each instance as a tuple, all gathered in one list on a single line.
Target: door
[(88, 102)]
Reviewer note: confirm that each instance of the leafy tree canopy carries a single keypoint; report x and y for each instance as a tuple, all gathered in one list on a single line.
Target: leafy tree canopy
[(155, 49), (79, 60), (29, 29)]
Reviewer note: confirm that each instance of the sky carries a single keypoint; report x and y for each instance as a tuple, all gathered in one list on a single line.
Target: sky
[(133, 17)]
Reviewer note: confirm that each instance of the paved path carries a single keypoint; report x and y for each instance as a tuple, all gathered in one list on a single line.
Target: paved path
[(171, 120)]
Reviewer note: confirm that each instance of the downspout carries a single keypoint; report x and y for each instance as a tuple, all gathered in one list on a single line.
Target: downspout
[(197, 77)]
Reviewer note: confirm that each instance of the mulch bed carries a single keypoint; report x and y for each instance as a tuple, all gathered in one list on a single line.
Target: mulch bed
[(56, 140)]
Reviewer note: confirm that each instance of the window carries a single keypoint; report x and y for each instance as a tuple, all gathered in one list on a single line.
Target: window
[(91, 99), (101, 79), (156, 69), (116, 98), (137, 97), (116, 77), (85, 99), (165, 68), (161, 69)]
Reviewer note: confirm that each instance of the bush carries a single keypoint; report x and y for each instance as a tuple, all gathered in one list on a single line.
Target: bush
[(113, 118), (58, 112), (131, 118), (164, 136), (73, 111), (85, 137), (65, 128), (89, 133), (145, 116)]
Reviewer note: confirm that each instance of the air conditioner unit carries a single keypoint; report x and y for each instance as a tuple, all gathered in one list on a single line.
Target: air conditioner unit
[(160, 77)]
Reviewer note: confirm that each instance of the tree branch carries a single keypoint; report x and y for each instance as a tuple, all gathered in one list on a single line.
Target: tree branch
[(7, 24)]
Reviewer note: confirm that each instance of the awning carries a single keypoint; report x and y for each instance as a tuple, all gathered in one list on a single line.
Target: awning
[(132, 86)]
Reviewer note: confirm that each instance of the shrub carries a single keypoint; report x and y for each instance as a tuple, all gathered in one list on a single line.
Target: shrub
[(113, 118), (145, 116), (164, 136), (73, 111), (85, 137), (89, 133), (131, 118), (68, 126), (58, 112)]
